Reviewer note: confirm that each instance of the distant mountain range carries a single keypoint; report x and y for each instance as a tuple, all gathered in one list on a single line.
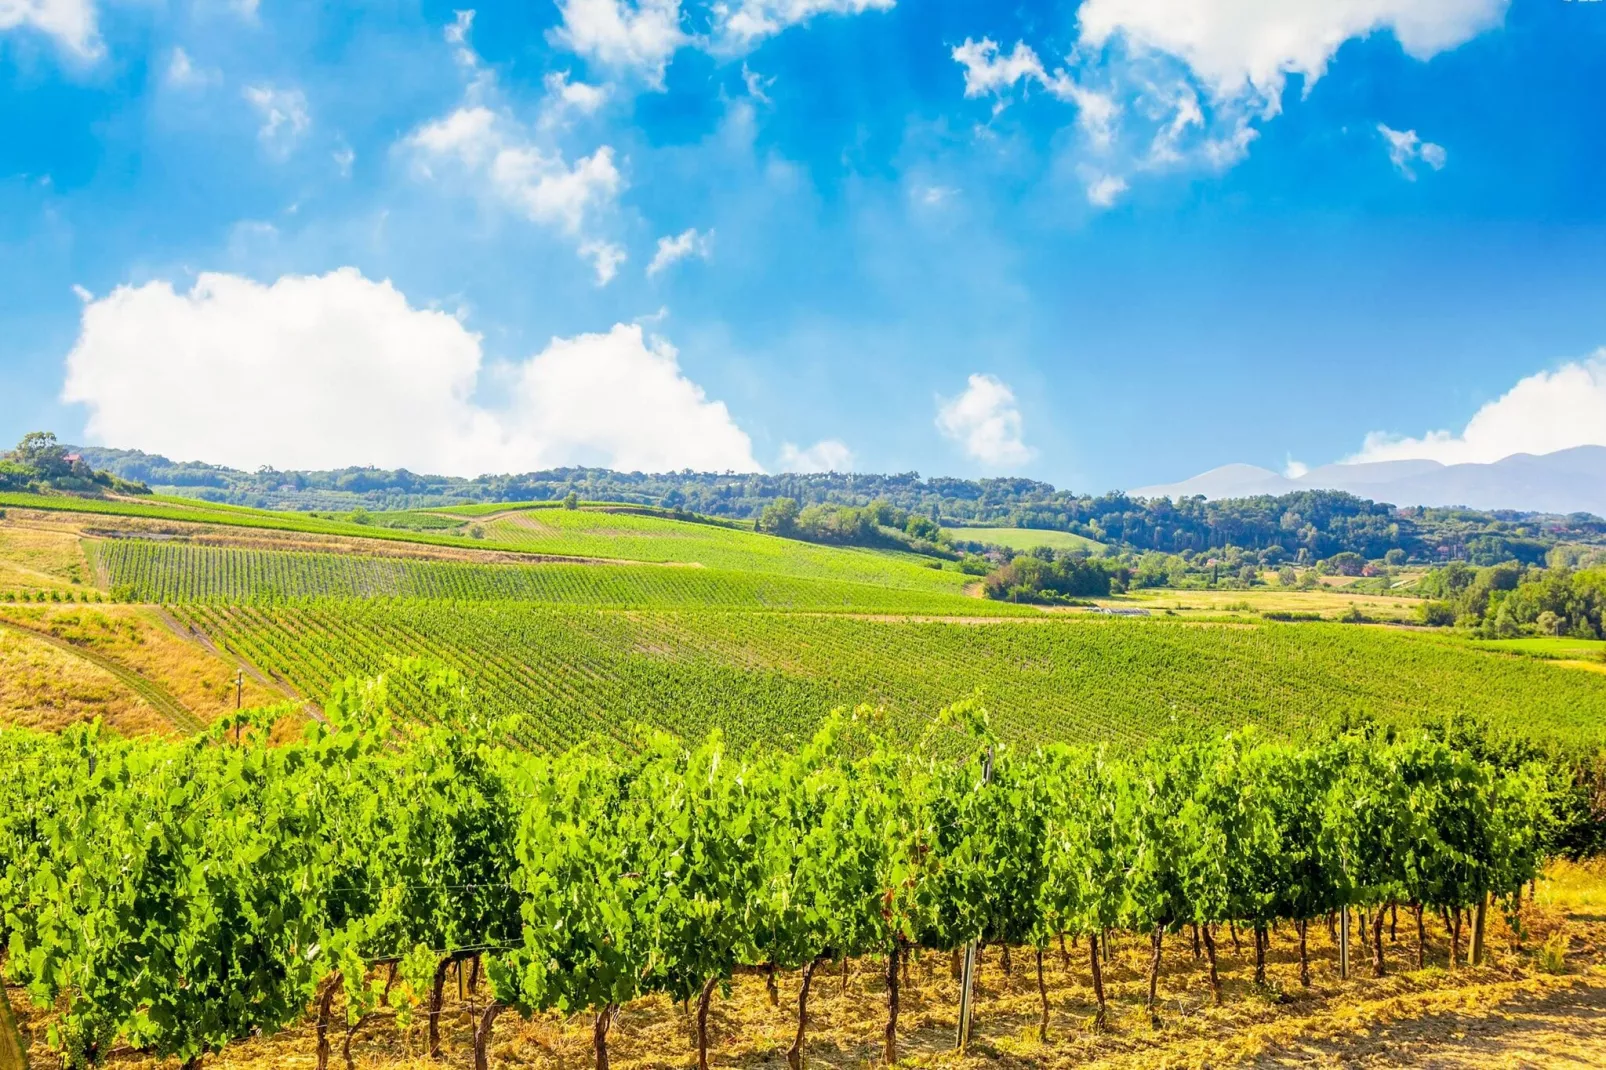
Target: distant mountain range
[(1567, 481)]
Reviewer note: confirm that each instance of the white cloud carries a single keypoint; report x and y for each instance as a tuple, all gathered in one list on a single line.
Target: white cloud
[(826, 455), (749, 21), (1248, 47), (687, 243), (70, 22), (495, 154), (987, 70), (344, 157), (182, 73), (1405, 147), (284, 116), (986, 422), (756, 84), (1293, 469), (1167, 85), (640, 36), (491, 153), (605, 259), (573, 96), (1104, 190), (324, 371), (1547, 411)]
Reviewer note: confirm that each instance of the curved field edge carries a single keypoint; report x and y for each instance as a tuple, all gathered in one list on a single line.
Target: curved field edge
[(762, 677), (159, 698)]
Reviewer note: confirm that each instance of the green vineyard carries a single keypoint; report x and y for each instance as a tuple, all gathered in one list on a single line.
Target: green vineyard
[(149, 571), (771, 676)]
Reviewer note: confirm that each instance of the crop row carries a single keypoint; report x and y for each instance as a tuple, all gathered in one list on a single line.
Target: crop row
[(570, 673), (177, 896), (149, 571)]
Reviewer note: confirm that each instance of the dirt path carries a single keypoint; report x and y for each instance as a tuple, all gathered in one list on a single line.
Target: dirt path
[(158, 696), (1566, 1028)]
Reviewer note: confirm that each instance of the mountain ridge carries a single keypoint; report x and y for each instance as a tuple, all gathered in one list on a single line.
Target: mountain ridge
[(1566, 481)]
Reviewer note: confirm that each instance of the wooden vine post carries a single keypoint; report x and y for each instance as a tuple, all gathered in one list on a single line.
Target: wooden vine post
[(967, 979)]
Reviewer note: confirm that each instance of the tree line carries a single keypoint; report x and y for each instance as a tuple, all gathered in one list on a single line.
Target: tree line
[(175, 896), (1319, 523), (1509, 600)]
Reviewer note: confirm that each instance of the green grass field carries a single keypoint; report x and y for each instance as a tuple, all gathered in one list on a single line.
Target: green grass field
[(588, 533), (1564, 648), (1026, 538)]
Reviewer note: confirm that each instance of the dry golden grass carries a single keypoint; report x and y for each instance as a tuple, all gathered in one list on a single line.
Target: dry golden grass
[(1503, 1014), (138, 639), (34, 558), (44, 687), (1328, 603)]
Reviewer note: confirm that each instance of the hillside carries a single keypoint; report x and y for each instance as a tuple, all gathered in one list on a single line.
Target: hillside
[(586, 620)]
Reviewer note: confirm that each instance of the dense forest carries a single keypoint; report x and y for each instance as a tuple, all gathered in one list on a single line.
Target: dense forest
[(1318, 523)]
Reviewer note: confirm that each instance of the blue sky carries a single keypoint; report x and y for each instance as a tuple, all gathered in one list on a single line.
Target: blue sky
[(1106, 244)]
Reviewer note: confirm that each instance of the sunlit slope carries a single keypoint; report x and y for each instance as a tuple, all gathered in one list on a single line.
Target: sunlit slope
[(595, 533), (592, 533), (771, 677), (148, 571)]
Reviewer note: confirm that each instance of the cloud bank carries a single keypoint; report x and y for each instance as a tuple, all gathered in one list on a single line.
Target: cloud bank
[(1547, 411), (335, 370)]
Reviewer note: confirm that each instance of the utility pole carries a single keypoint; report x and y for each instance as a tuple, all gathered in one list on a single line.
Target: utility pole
[(968, 977)]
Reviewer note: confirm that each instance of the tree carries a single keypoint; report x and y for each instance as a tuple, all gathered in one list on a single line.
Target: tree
[(571, 500), (779, 517)]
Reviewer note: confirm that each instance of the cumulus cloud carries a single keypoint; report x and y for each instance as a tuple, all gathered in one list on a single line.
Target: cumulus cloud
[(284, 117), (638, 36), (494, 152), (484, 147), (605, 259), (988, 70), (1547, 411), (1405, 148), (331, 370), (569, 96), (986, 422), (826, 455), (743, 24), (70, 22), (1249, 47), (687, 243)]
